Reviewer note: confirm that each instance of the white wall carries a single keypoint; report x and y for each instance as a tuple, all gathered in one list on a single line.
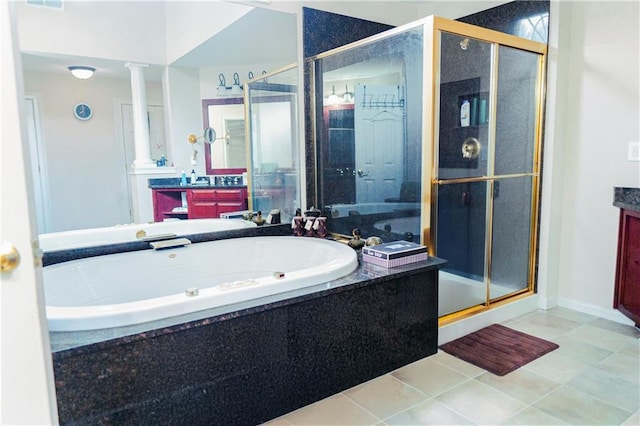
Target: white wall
[(190, 23), (592, 112), (85, 159), (122, 30), (183, 116)]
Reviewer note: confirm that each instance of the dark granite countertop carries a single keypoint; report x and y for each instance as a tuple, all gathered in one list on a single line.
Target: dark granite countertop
[(627, 198), (202, 182), (366, 274)]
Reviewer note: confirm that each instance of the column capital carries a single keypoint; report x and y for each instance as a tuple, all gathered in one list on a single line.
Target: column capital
[(135, 65)]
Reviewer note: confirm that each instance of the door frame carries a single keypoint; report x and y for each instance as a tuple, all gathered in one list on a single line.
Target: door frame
[(38, 156)]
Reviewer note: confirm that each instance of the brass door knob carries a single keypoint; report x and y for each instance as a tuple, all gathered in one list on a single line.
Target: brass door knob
[(9, 257)]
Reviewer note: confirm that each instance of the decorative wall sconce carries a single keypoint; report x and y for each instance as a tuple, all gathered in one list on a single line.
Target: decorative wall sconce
[(346, 98), (222, 87), (236, 89), (81, 72), (251, 77), (333, 98), (233, 90)]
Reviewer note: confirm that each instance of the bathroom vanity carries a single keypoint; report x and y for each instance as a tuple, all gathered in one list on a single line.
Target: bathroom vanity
[(627, 284), (170, 200)]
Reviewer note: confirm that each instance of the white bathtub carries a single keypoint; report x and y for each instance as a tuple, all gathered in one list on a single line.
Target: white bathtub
[(131, 288), (80, 238)]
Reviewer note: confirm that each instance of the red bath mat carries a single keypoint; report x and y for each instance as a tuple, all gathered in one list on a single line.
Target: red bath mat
[(498, 349)]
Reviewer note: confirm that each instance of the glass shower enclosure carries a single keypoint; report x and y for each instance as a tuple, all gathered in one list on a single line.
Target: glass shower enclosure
[(431, 132), (271, 108)]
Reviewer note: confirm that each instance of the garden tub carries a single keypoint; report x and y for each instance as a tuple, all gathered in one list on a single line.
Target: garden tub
[(81, 238), (131, 288)]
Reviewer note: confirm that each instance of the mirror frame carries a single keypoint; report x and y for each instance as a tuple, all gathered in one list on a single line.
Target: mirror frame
[(207, 152)]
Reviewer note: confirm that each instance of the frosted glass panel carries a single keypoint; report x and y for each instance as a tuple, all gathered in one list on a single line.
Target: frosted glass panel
[(465, 77), (516, 112), (461, 240), (511, 235)]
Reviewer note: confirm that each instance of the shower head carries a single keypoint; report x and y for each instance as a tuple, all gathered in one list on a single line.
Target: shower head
[(464, 44)]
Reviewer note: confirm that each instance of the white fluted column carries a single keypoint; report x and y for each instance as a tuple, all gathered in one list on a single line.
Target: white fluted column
[(140, 122)]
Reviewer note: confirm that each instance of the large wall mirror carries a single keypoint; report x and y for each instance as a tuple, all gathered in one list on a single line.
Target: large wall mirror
[(369, 136), (174, 89), (227, 154)]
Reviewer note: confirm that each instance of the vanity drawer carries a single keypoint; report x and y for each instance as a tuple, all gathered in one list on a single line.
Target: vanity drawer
[(230, 194), (202, 194)]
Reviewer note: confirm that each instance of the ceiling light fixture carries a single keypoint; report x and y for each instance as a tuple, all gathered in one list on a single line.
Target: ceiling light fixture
[(81, 72)]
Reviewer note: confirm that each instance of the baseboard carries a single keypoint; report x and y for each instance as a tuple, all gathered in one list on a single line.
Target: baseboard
[(460, 328), (610, 314), (547, 303)]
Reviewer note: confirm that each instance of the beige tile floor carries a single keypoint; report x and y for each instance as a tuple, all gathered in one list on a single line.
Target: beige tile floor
[(592, 379)]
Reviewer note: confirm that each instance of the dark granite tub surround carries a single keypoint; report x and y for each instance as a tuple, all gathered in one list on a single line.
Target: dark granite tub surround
[(627, 198), (254, 364), (57, 256)]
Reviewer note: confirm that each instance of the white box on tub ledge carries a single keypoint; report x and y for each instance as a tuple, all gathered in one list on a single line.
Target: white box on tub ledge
[(395, 253)]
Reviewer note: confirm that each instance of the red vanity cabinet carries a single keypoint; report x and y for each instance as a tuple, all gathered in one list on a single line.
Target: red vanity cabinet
[(230, 200), (201, 202), (627, 284)]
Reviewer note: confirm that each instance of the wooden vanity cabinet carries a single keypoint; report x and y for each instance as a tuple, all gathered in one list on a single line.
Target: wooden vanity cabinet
[(627, 284), (204, 203), (201, 203)]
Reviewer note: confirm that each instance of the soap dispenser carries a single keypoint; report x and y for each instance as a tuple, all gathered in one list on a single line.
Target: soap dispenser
[(183, 179), (193, 177)]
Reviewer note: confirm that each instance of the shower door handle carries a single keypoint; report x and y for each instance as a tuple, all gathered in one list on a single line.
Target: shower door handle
[(363, 173)]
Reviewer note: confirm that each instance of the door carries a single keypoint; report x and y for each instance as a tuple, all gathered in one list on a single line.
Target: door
[(28, 394), (379, 135), (488, 169), (38, 165)]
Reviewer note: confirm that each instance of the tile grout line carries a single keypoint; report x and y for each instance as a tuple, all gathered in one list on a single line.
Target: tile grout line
[(378, 419)]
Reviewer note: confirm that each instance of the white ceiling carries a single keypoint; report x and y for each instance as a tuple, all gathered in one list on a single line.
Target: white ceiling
[(249, 40), (261, 36)]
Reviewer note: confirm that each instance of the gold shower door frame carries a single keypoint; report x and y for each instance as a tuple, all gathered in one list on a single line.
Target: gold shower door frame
[(433, 29)]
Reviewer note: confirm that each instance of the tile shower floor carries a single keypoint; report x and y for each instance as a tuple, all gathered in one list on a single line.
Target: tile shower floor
[(593, 378)]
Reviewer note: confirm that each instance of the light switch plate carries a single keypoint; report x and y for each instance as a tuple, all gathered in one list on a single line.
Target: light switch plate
[(634, 151)]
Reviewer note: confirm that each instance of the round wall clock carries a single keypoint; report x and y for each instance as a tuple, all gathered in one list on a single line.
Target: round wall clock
[(82, 111)]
